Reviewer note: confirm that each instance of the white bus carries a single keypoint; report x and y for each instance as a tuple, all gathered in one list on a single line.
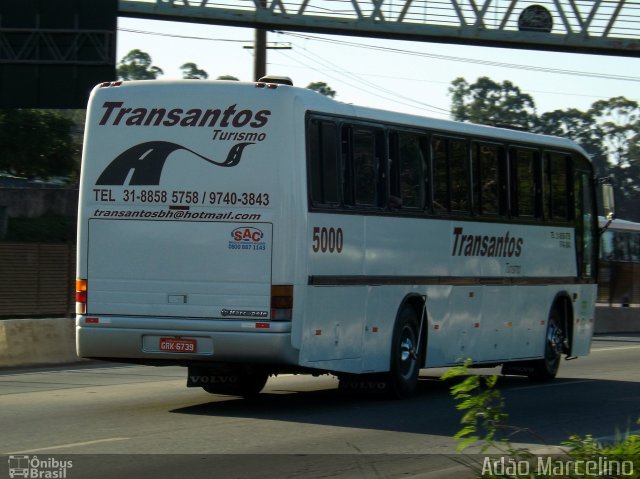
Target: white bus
[(619, 272), (248, 229)]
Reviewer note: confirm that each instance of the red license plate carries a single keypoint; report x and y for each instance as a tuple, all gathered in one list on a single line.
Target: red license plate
[(176, 345)]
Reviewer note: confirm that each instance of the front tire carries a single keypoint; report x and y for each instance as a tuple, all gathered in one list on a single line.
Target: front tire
[(402, 378), (546, 369)]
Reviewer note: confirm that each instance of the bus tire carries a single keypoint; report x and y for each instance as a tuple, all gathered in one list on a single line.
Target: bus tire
[(546, 369), (403, 374), (245, 384)]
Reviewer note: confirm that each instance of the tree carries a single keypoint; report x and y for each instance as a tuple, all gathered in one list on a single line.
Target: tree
[(37, 144), (582, 128), (619, 121), (136, 65), (490, 103), (227, 77), (190, 71), (609, 130), (322, 88)]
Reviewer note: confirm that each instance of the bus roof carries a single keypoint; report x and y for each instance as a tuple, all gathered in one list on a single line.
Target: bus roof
[(325, 104), (314, 101), (619, 225)]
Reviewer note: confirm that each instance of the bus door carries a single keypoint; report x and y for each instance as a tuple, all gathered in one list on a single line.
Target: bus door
[(586, 222), (586, 255)]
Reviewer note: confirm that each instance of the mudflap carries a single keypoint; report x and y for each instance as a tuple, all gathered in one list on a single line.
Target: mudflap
[(523, 368), (367, 384), (199, 377)]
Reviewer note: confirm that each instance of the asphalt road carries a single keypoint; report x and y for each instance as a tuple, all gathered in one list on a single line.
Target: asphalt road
[(136, 421)]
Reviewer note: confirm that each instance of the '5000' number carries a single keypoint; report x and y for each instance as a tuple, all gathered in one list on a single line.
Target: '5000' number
[(327, 240)]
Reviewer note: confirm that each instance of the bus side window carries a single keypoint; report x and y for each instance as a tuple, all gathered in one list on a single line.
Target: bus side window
[(450, 180), (523, 182), (489, 182), (556, 179), (323, 162), (440, 175), (366, 166), (408, 165), (459, 176), (621, 246)]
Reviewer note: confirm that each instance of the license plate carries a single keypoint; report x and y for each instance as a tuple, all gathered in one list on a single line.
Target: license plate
[(176, 345)]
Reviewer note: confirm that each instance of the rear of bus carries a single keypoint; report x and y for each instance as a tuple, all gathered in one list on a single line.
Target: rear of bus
[(181, 189)]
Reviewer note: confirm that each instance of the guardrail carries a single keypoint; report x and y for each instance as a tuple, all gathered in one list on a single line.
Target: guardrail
[(37, 279)]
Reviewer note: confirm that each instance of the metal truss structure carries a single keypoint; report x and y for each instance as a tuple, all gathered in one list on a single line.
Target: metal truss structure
[(57, 46), (582, 26)]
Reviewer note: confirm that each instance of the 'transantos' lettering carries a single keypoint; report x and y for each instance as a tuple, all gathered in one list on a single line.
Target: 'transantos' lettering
[(116, 113), (505, 246)]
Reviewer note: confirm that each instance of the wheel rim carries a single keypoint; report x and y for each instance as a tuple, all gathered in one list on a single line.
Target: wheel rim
[(407, 351), (554, 343)]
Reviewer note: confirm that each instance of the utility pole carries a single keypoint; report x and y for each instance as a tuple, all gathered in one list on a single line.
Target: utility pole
[(260, 53), (260, 48)]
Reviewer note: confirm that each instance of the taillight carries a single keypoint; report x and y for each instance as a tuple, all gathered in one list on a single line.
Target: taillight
[(81, 296), (281, 302)]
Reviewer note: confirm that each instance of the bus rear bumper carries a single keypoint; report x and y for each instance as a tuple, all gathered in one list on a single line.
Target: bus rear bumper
[(213, 341)]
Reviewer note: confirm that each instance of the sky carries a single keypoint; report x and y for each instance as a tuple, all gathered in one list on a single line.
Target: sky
[(411, 77)]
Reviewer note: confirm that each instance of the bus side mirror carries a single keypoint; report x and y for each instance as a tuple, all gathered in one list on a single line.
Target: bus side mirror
[(608, 202)]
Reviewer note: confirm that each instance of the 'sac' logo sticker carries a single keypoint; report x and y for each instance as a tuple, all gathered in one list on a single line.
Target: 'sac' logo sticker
[(143, 163)]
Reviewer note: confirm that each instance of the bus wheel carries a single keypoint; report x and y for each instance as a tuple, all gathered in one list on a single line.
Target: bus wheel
[(545, 369), (245, 384), (403, 375)]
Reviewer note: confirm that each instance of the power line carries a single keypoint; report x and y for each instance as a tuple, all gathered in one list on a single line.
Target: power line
[(377, 89), (186, 37), (406, 52), (330, 67), (463, 59)]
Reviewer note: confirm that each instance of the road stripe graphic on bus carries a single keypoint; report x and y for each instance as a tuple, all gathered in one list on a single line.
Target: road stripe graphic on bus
[(142, 164)]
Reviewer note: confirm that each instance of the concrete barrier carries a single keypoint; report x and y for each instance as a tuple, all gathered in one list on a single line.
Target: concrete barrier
[(617, 320), (25, 342)]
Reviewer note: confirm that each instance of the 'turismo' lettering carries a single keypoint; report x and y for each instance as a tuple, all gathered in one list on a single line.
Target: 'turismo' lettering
[(115, 113), (505, 246)]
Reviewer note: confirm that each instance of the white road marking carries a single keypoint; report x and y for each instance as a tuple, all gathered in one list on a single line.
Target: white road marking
[(74, 444), (554, 385), (617, 348)]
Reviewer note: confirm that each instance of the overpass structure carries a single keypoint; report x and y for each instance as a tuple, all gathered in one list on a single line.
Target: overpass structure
[(605, 27)]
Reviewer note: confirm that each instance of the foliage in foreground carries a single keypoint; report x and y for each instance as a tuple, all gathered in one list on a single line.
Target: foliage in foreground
[(484, 420)]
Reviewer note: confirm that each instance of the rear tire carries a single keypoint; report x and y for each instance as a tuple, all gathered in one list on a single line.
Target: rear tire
[(546, 369), (402, 378)]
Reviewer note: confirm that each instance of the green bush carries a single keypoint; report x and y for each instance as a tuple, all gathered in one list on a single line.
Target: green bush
[(484, 419)]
